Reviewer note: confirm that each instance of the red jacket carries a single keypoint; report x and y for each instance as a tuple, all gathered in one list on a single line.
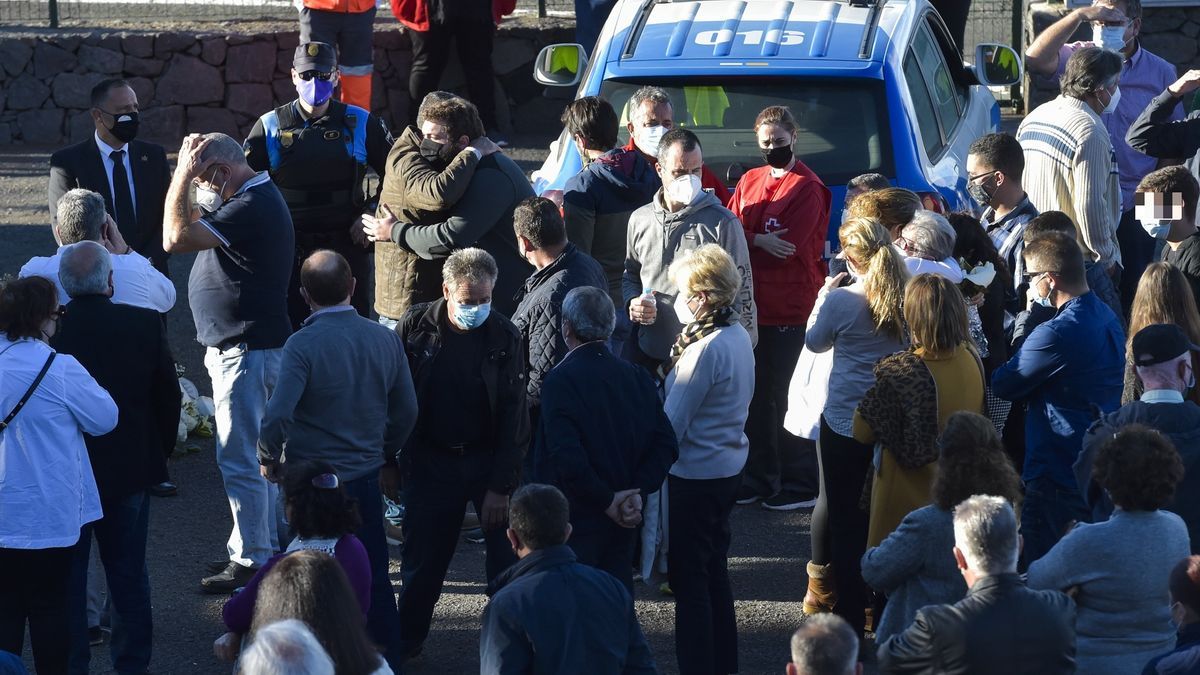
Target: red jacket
[(708, 179), (415, 13), (345, 6), (798, 201)]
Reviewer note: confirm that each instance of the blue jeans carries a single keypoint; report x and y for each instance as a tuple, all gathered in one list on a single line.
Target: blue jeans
[(1048, 509), (243, 380), (121, 537), (383, 622)]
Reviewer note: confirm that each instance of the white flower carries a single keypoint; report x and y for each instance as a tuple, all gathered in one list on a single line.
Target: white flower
[(980, 275)]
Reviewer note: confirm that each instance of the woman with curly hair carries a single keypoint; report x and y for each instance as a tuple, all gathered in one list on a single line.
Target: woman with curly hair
[(1163, 296), (1119, 570), (913, 566)]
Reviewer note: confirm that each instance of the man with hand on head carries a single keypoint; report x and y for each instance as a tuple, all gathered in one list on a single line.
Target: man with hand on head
[(1158, 132), (238, 294)]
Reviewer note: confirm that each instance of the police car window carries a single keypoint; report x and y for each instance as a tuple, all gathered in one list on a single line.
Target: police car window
[(938, 78), (842, 125), (931, 135)]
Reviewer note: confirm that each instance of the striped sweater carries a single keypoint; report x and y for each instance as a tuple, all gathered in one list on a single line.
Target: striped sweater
[(1070, 166)]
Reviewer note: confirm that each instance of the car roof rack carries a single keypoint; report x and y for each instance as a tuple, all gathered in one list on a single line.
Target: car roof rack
[(869, 30)]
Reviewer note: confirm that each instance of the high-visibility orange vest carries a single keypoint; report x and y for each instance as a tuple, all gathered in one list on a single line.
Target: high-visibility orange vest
[(348, 6)]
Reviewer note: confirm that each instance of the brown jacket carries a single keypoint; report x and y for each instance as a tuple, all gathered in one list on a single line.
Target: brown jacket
[(415, 192)]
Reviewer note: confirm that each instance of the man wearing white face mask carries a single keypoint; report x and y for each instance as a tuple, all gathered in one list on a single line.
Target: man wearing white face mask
[(472, 432), (651, 116), (1115, 25), (1069, 161), (681, 218), (1180, 235)]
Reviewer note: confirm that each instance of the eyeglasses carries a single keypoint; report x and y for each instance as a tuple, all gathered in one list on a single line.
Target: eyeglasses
[(1031, 277), (985, 174), (325, 481), (310, 74)]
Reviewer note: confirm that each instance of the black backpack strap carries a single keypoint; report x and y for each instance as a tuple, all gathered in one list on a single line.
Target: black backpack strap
[(28, 394)]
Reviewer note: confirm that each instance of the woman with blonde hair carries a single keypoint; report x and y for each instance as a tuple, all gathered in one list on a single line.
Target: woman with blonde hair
[(1163, 296), (892, 208), (709, 384), (915, 392), (861, 323)]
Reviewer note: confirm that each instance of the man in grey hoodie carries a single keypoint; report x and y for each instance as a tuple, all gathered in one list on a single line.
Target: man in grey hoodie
[(682, 217)]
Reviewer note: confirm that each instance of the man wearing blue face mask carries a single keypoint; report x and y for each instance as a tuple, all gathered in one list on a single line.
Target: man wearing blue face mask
[(318, 152), (471, 436), (1179, 234)]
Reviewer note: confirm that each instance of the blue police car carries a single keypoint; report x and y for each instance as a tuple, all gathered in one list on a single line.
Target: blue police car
[(874, 86)]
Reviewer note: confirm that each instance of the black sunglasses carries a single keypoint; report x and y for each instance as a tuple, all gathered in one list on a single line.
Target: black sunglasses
[(310, 74), (1030, 276)]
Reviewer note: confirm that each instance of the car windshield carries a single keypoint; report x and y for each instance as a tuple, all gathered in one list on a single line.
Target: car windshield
[(842, 126)]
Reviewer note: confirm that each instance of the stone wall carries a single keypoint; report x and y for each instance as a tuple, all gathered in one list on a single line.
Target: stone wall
[(1170, 32), (204, 82)]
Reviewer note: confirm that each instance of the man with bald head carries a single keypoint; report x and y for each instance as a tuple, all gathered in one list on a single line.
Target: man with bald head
[(241, 227), (345, 397)]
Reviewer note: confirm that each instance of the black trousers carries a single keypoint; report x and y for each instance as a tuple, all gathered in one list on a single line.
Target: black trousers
[(839, 525), (778, 461), (33, 589), (706, 639), (608, 547), (1137, 252), (431, 51)]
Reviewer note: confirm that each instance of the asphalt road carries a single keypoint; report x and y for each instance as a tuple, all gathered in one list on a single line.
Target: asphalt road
[(766, 563)]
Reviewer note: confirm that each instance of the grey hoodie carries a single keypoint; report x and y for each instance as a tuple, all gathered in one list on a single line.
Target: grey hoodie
[(656, 237)]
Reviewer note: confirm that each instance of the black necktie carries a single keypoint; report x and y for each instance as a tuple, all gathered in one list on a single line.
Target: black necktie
[(122, 199)]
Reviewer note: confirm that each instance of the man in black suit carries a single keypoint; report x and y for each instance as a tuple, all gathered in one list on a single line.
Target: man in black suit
[(602, 436), (125, 349), (131, 175)]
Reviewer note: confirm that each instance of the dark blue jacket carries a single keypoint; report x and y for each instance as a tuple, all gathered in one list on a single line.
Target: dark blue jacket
[(1184, 660), (549, 614), (539, 311), (602, 430), (1070, 369)]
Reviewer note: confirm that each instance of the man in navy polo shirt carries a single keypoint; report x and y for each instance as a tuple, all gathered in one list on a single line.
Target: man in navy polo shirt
[(240, 225)]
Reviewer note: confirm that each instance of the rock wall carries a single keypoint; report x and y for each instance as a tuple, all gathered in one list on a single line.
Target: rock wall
[(1170, 32), (204, 82)]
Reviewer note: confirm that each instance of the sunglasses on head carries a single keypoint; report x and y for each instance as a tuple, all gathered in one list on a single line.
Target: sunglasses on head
[(310, 74)]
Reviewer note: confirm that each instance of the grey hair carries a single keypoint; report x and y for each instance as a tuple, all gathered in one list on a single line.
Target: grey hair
[(825, 644), (222, 149), (930, 234), (81, 216), (985, 530), (286, 647), (1089, 69), (590, 312), (84, 268), (655, 95), (469, 266)]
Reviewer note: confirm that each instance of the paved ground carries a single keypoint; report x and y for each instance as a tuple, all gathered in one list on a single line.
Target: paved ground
[(766, 563)]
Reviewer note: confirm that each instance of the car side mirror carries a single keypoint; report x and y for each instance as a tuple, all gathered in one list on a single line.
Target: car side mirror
[(997, 65), (560, 65)]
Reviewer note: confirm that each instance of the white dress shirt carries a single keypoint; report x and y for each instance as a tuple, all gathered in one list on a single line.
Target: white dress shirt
[(105, 151), (47, 489), (135, 281)]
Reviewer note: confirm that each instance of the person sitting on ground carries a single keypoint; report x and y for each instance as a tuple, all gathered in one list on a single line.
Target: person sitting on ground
[(551, 614), (1163, 296), (1098, 280), (285, 647), (311, 586), (824, 645), (1119, 569), (915, 392), (1180, 235), (912, 566), (927, 244), (1165, 362), (1001, 626), (1184, 585), (324, 519)]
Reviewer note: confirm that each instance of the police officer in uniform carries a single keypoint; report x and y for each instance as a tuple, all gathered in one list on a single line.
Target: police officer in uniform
[(318, 152)]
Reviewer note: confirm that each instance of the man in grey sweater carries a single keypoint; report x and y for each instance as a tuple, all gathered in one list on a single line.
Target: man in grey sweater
[(681, 218), (344, 396)]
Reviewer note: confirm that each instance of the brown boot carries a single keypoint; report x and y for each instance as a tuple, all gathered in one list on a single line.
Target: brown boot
[(821, 596)]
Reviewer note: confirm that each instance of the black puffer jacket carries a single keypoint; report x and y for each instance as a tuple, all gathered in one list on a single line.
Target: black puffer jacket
[(539, 312)]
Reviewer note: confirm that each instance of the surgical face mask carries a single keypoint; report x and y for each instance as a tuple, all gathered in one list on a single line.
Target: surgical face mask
[(779, 157), (980, 194), (1157, 229), (207, 198), (1044, 300), (682, 311), (683, 189), (1114, 98), (125, 125), (1109, 37), (315, 92), (471, 317), (646, 138), (437, 153)]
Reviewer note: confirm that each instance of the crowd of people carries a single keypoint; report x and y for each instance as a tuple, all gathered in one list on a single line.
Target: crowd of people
[(993, 415)]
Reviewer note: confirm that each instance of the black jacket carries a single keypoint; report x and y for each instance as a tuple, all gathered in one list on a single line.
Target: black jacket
[(602, 430), (503, 374), (539, 311), (1187, 259), (551, 614), (80, 166), (1154, 133), (125, 349), (1001, 627)]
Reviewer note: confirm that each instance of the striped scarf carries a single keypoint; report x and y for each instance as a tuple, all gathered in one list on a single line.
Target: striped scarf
[(693, 333)]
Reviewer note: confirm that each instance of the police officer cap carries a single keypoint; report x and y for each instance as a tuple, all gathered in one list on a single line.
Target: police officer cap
[(317, 56)]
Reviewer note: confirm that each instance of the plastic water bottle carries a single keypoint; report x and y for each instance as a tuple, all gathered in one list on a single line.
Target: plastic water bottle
[(647, 297)]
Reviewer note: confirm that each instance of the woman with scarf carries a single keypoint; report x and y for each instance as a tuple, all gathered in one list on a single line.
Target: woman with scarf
[(709, 383), (784, 209)]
